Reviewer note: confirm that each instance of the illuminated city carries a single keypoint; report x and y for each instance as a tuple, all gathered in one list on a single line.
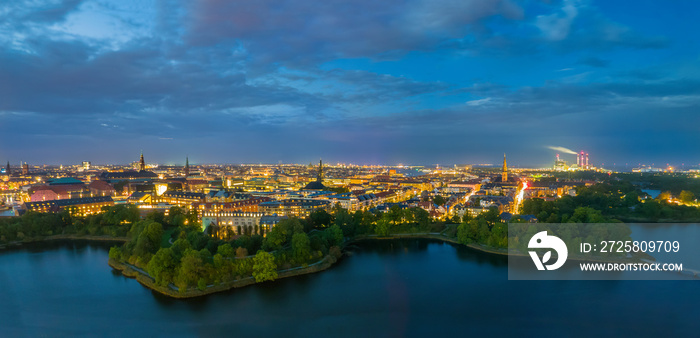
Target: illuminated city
[(408, 168)]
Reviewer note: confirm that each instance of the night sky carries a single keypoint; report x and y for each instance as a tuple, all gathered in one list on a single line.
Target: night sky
[(362, 81)]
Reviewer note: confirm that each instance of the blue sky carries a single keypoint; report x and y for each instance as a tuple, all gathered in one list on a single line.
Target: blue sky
[(367, 82)]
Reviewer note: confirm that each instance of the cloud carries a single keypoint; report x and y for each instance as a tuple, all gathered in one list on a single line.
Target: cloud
[(480, 102), (556, 26), (300, 32)]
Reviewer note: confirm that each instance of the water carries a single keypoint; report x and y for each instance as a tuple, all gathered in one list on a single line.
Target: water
[(653, 193), (388, 288)]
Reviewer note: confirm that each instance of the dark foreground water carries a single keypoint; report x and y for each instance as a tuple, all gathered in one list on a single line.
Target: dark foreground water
[(384, 288)]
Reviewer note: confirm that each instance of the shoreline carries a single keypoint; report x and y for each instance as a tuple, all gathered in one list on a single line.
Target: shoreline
[(89, 238), (495, 251), (130, 271), (147, 281), (436, 236)]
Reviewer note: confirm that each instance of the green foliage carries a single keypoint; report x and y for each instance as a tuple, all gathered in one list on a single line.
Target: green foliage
[(191, 270), (439, 200), (113, 221), (301, 247), (320, 218), (687, 196), (334, 235), (264, 267), (226, 250), (115, 253), (163, 266), (383, 227), (275, 239), (148, 241)]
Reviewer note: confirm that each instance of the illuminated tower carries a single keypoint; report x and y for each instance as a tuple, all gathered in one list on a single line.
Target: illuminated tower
[(187, 166), (319, 178), (504, 173), (587, 167), (142, 163)]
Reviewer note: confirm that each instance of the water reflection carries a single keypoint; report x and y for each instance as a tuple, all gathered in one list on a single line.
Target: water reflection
[(406, 287)]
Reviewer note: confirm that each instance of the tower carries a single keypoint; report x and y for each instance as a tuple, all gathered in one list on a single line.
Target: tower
[(25, 168), (504, 173), (319, 178), (187, 166), (142, 163), (7, 169)]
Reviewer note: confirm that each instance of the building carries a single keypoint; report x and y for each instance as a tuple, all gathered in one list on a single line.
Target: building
[(181, 198), (76, 206), (101, 188), (504, 172), (59, 188), (132, 176), (301, 208), (318, 184), (238, 223), (142, 163), (247, 205)]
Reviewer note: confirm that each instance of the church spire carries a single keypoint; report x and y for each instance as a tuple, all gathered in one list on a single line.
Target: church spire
[(187, 166), (142, 163), (504, 173)]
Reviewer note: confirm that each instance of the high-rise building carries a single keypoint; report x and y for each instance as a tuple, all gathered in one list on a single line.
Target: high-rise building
[(504, 173), (25, 168), (8, 172)]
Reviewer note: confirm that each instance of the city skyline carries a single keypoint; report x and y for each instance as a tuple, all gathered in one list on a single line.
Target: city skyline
[(413, 82)]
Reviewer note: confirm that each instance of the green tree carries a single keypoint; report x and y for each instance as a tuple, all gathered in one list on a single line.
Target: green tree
[(264, 267), (162, 266), (687, 196), (275, 238), (383, 227), (301, 246), (664, 196), (148, 241), (439, 200), (226, 250), (115, 253), (334, 235), (320, 218), (191, 269), (395, 214)]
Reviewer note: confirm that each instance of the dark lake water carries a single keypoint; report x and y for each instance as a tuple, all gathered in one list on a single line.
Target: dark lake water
[(384, 288)]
